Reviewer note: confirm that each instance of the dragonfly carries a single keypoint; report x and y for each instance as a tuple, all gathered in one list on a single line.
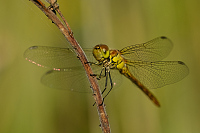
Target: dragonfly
[(141, 63)]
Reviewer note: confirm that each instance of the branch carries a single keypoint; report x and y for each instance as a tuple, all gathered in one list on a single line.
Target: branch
[(67, 32)]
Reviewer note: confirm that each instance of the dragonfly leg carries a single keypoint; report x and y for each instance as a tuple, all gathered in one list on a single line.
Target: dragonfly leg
[(99, 76), (107, 74), (94, 63), (111, 84)]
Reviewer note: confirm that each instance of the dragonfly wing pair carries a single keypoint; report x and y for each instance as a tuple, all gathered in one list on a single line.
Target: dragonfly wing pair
[(144, 62), (66, 70)]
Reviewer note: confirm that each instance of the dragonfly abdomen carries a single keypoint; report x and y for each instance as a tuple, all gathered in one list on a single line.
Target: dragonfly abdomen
[(127, 73)]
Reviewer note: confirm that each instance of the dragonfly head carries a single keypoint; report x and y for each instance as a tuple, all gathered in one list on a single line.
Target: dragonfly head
[(101, 52)]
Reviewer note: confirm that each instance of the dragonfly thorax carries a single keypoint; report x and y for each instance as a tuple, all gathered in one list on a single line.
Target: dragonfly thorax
[(117, 60)]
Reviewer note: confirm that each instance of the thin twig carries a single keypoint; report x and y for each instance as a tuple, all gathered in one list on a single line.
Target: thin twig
[(67, 32)]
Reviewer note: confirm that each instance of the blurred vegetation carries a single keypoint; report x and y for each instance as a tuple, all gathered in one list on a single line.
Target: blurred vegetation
[(27, 106)]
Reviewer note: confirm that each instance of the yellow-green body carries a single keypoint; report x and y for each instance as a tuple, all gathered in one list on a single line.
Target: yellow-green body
[(112, 59)]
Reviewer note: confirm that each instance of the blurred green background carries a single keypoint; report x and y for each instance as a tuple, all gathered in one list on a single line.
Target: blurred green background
[(27, 106)]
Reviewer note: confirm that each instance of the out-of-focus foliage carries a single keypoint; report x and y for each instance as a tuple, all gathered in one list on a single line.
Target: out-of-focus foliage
[(27, 106)]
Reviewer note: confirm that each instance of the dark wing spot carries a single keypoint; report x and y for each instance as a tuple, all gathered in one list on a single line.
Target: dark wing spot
[(180, 62), (49, 72), (163, 37)]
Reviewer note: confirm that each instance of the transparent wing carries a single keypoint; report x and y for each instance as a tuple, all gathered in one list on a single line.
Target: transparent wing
[(74, 79), (158, 74), (64, 61), (53, 57), (154, 50)]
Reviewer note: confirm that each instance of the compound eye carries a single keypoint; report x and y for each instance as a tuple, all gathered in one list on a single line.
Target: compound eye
[(104, 50)]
